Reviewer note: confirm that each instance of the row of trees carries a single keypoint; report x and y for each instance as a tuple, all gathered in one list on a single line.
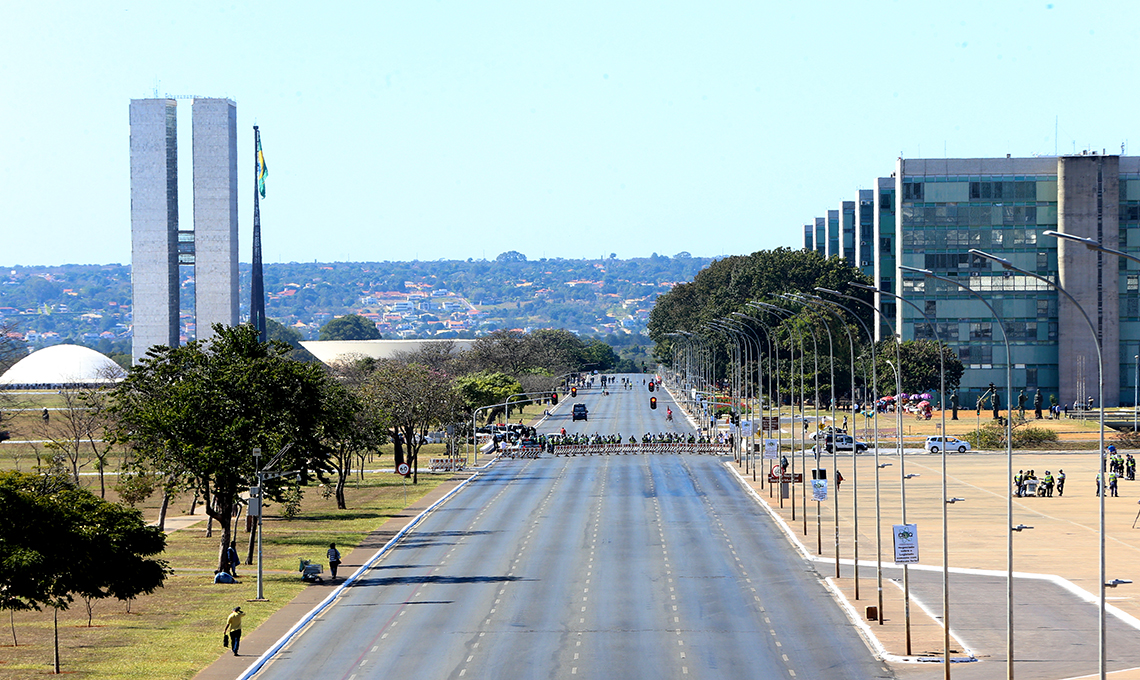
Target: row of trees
[(729, 285), (191, 415)]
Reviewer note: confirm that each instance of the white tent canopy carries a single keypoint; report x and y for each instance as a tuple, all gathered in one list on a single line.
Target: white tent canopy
[(62, 365)]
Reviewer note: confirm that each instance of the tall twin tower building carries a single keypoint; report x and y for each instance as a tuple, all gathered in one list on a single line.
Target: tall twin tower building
[(158, 245)]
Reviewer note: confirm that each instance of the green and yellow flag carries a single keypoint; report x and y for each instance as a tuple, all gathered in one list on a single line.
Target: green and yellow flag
[(262, 169)]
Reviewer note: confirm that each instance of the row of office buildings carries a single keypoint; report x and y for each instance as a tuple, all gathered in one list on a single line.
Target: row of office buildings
[(930, 212)]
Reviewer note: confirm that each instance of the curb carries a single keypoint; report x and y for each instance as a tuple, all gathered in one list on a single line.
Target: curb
[(325, 603), (864, 629)]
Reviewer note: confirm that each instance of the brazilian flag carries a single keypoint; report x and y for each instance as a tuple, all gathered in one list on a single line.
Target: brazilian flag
[(262, 169)]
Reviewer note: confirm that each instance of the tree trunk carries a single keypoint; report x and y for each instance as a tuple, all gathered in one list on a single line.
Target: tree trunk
[(12, 620), (252, 539), (340, 504), (102, 482), (162, 510), (210, 527), (56, 625), (224, 523)]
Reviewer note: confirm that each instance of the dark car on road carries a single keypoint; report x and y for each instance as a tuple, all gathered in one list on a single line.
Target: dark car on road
[(580, 412)]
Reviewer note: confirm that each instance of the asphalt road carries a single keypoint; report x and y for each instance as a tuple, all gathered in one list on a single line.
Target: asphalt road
[(596, 567)]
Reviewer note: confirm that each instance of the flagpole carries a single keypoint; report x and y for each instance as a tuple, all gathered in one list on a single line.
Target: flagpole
[(257, 282)]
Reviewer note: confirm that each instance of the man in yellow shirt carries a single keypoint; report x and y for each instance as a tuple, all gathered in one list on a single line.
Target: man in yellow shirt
[(233, 627)]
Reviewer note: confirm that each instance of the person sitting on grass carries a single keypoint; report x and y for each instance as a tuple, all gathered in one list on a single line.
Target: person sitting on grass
[(223, 577)]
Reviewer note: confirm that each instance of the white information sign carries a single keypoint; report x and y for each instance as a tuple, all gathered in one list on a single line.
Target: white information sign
[(819, 489), (906, 543), (745, 428), (771, 449)]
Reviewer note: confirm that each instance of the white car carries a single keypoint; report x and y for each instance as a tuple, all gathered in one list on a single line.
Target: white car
[(935, 444)]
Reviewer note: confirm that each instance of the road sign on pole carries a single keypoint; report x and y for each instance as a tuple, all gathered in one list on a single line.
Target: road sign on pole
[(403, 469), (906, 543)]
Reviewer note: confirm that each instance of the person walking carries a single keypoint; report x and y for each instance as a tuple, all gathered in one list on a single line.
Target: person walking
[(1112, 484), (233, 628), (1060, 483), (334, 559), (232, 559)]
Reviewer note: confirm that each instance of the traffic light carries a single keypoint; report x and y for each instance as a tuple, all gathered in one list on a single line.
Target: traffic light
[(553, 398), (573, 391), (653, 402), (650, 385)]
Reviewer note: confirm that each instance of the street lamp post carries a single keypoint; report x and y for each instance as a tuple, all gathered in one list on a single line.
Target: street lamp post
[(773, 356), (257, 497), (1008, 454), (945, 502), (834, 436), (1009, 266), (878, 466), (825, 304)]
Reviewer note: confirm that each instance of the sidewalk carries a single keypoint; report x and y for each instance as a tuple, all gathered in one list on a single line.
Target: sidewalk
[(1064, 542), (256, 641)]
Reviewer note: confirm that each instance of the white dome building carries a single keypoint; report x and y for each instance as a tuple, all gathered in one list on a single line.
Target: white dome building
[(60, 365)]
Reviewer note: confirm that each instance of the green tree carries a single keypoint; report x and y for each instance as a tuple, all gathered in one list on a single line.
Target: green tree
[(409, 399), (196, 412), (486, 389), (920, 366), (348, 430), (59, 541), (290, 336), (349, 327)]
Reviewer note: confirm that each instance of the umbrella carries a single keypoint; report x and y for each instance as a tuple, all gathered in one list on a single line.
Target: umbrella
[(925, 395), (923, 404)]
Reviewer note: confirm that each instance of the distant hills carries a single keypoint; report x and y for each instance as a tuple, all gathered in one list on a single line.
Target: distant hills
[(91, 304)]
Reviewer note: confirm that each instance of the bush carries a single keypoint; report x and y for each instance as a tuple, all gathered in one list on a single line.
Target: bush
[(992, 436), (1032, 436), (988, 436), (135, 488)]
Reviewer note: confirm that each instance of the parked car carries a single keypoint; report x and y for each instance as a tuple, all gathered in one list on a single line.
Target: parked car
[(580, 412), (844, 442), (935, 444)]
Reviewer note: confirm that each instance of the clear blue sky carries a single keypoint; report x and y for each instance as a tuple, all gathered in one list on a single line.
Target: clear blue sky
[(437, 129)]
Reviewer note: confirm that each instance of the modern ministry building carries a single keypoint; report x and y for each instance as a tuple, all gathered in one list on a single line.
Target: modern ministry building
[(930, 212), (158, 247)]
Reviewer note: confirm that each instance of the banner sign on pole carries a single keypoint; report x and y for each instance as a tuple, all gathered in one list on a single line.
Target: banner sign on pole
[(819, 489), (771, 449), (745, 428), (906, 543)]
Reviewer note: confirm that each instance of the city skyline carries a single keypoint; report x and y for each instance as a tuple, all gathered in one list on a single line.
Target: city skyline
[(629, 129)]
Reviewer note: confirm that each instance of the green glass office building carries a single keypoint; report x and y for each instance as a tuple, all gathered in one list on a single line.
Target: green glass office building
[(931, 212)]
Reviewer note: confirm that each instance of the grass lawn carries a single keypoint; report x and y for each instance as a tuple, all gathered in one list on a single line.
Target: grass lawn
[(177, 631)]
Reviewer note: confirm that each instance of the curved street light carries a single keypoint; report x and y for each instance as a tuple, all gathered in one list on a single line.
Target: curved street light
[(1008, 454), (1009, 266)]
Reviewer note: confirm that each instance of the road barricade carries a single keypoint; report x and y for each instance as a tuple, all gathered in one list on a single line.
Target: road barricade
[(447, 464), (647, 449)]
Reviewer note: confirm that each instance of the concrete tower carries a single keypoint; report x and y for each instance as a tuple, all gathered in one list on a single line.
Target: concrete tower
[(1088, 191), (214, 124), (154, 224)]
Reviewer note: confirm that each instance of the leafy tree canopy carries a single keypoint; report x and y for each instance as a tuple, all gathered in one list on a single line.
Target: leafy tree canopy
[(349, 327), (196, 412)]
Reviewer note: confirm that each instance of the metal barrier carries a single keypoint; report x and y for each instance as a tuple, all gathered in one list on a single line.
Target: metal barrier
[(649, 449), (447, 464), (528, 452)]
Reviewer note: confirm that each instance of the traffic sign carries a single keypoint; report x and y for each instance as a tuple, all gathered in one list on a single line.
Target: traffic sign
[(403, 469)]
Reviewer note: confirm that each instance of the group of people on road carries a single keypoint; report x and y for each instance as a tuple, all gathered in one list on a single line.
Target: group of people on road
[(1027, 484)]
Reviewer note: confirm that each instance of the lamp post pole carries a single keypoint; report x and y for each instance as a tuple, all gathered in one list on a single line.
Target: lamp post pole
[(878, 466), (854, 455), (945, 497), (1009, 266), (773, 357), (1008, 457)]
